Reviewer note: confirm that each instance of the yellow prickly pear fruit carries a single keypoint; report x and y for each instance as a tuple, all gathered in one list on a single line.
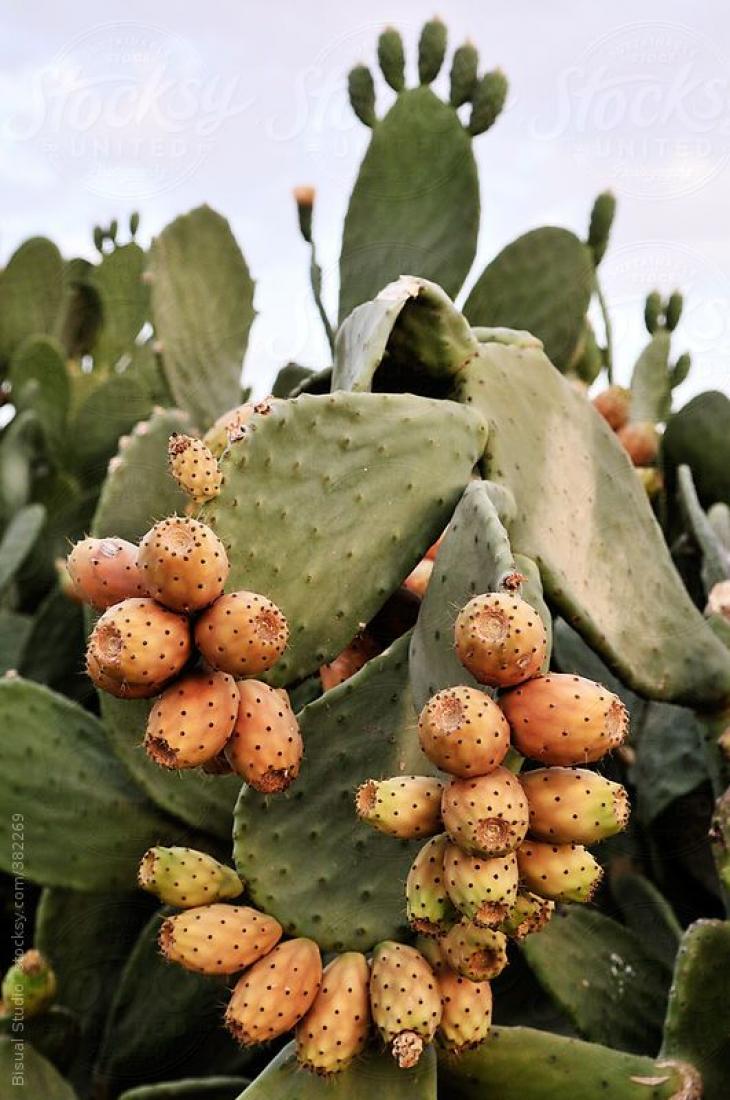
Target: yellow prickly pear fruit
[(529, 914), (561, 872), (574, 805), (482, 889), (274, 995), (463, 732), (242, 633), (192, 720), (184, 563), (218, 939), (194, 467), (500, 639), (335, 1030), (428, 906), (404, 999), (478, 954), (407, 806), (466, 1015), (487, 815), (265, 747), (186, 878)]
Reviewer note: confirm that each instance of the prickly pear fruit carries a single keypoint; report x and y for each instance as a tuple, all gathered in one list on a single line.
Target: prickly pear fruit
[(405, 1000), (335, 1030), (265, 747), (614, 405), (276, 993), (651, 478), (218, 939), (194, 467), (466, 1014), (463, 732), (500, 639), (136, 647), (562, 872), (407, 806), (482, 889), (228, 428), (641, 442), (565, 719), (574, 805), (433, 550), (354, 657), (418, 580), (192, 720), (242, 633), (478, 954), (428, 906), (184, 563), (487, 815), (29, 986), (105, 571), (186, 878), (529, 914)]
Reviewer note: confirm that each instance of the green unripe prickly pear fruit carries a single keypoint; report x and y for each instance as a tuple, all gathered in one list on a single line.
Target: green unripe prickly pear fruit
[(218, 939), (466, 1014), (653, 311), (482, 889), (464, 68), (407, 806), (194, 467), (274, 995), (428, 906), (304, 198), (500, 639), (574, 805), (404, 1000), (486, 815), (478, 954), (487, 102), (673, 310), (565, 719), (614, 405), (680, 370), (184, 564), (431, 50), (561, 872), (134, 223), (602, 215), (361, 90), (463, 732), (529, 914), (587, 362), (335, 1030), (192, 720), (391, 58), (186, 878), (29, 986)]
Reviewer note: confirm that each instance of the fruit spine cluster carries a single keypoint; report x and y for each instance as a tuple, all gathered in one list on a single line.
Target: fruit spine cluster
[(501, 848)]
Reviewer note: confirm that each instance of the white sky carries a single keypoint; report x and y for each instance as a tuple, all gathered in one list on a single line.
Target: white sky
[(108, 107)]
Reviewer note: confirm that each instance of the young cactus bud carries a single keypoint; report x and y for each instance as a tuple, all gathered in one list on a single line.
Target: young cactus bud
[(428, 906), (335, 1030), (228, 428), (361, 90), (192, 720), (431, 50), (105, 571), (463, 732), (194, 467), (136, 647), (218, 939), (641, 442), (565, 719), (391, 58), (561, 872), (487, 102), (529, 914), (243, 634), (602, 215), (274, 995), (185, 878), (500, 639), (133, 223), (29, 986), (463, 74), (113, 230), (265, 747), (408, 806), (99, 238), (574, 805), (482, 889), (653, 312), (478, 954), (404, 999), (678, 373), (466, 1014), (614, 405), (674, 310), (487, 815), (184, 563)]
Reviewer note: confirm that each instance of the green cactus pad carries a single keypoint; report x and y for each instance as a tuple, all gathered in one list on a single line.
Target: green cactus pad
[(38, 1078), (715, 555), (14, 632), (699, 436), (584, 518), (520, 1063), (391, 58), (373, 1073), (611, 989), (648, 914), (40, 382), (202, 306), (112, 408), (192, 1088), (697, 1027), (54, 653), (18, 539), (350, 893), (474, 557), (54, 1035), (124, 297), (415, 204), (541, 282), (361, 90), (85, 821), (290, 375), (344, 482), (31, 294), (651, 389)]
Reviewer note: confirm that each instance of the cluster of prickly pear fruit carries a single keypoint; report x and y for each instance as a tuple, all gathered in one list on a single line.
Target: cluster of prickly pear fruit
[(503, 848)]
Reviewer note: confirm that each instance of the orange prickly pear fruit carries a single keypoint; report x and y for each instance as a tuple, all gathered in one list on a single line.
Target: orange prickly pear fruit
[(192, 720), (184, 563), (614, 405), (641, 442), (265, 747), (574, 805), (407, 806), (136, 647), (417, 581), (104, 572), (463, 732), (466, 1015), (428, 906), (500, 639), (354, 657), (218, 939), (487, 815), (529, 914), (274, 995), (186, 878), (194, 467), (561, 872), (478, 954), (335, 1030), (482, 889), (242, 633), (404, 999)]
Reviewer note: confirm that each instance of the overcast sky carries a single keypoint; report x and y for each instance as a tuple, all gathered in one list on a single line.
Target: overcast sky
[(107, 107)]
